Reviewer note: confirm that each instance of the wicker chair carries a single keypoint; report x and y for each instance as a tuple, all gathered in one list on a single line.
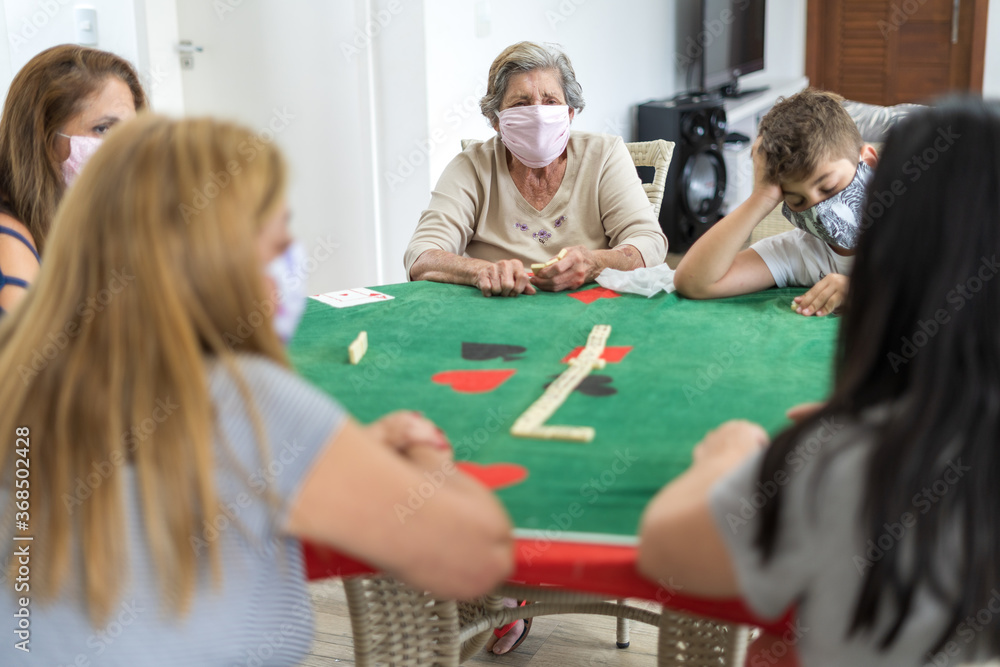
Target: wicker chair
[(656, 154), (392, 624), (396, 626)]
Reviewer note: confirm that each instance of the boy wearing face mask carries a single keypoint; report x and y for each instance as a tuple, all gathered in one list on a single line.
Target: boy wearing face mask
[(809, 158)]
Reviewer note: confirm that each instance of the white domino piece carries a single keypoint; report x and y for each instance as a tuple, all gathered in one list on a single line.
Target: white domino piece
[(357, 349), (536, 267), (531, 424)]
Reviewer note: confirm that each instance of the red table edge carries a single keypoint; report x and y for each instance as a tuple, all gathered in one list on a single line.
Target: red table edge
[(590, 568)]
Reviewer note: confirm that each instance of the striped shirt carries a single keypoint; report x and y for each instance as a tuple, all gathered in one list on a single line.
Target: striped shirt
[(260, 615)]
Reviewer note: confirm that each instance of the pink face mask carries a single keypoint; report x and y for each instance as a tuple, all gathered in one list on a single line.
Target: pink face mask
[(536, 135), (80, 150)]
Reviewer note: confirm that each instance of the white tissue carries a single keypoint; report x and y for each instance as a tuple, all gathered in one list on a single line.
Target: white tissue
[(644, 281)]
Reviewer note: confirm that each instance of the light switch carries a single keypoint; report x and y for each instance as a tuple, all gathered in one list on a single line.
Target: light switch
[(85, 21), (484, 18)]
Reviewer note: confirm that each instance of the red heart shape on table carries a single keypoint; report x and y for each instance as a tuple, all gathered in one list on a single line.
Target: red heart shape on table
[(473, 382), (494, 475), (611, 354), (592, 295)]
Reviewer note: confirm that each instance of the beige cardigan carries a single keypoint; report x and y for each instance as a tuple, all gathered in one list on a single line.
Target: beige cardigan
[(477, 211)]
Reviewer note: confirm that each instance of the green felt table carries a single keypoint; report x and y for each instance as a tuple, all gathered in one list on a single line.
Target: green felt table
[(693, 365)]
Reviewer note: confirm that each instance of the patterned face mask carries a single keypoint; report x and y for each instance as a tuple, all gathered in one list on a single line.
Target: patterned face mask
[(837, 220)]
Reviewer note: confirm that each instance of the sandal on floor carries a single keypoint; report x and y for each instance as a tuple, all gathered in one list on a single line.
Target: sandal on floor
[(524, 634), (502, 631)]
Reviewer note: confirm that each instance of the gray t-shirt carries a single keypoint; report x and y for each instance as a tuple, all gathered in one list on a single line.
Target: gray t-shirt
[(822, 551), (260, 614)]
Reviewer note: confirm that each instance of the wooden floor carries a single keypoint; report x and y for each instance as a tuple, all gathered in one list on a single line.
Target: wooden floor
[(554, 641)]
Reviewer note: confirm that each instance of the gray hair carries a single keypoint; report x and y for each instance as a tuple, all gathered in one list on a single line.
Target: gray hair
[(525, 57)]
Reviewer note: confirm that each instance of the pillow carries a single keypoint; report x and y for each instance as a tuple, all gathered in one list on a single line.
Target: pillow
[(874, 121)]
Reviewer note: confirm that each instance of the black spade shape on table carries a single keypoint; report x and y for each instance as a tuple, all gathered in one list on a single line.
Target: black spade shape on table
[(485, 351), (594, 385)]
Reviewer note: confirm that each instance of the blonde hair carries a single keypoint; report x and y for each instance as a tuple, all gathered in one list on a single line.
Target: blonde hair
[(46, 93), (152, 268)]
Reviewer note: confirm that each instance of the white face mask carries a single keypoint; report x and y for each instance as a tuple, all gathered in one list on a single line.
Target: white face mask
[(80, 150), (537, 134), (287, 272)]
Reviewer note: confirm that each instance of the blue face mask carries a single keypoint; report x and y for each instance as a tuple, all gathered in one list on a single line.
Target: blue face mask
[(287, 272), (837, 220)]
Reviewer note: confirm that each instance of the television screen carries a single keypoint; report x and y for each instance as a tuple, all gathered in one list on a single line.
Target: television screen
[(733, 34)]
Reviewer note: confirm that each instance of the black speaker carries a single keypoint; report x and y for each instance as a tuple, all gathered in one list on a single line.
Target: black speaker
[(696, 181)]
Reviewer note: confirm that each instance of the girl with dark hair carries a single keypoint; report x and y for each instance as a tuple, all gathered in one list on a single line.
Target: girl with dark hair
[(58, 108), (876, 515)]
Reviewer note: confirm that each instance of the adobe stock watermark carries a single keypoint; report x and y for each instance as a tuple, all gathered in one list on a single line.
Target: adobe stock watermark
[(248, 150), (591, 490), (779, 647), (958, 297), (796, 460), (262, 311), (893, 533), (86, 310), (898, 16), (258, 481), (966, 632), (129, 441), (713, 28), (407, 163), (363, 36), (879, 201), (496, 419), (31, 25), (562, 12), (223, 8), (721, 362), (382, 355), (101, 640)]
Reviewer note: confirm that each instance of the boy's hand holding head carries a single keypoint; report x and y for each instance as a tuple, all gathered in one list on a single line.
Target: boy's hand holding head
[(763, 185), (812, 150)]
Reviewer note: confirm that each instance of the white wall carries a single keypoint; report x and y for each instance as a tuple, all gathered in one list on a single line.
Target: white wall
[(991, 73), (784, 45), (287, 78), (33, 26), (622, 54), (402, 133)]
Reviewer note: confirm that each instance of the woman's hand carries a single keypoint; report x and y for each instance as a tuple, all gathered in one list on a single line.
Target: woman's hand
[(578, 266), (825, 297), (803, 411), (405, 430), (730, 444), (508, 277)]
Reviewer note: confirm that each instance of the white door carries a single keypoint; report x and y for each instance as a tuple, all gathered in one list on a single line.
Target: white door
[(275, 68)]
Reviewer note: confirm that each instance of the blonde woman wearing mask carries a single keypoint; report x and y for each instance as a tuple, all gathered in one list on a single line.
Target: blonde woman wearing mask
[(186, 535)]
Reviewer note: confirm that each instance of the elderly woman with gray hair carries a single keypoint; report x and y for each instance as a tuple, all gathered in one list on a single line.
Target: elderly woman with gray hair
[(534, 190)]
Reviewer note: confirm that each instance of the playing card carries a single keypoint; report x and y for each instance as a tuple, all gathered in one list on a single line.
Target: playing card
[(351, 297)]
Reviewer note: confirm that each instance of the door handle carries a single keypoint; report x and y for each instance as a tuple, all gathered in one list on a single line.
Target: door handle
[(186, 48), (957, 8)]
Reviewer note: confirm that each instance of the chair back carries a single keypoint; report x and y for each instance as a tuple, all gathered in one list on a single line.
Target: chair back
[(655, 154)]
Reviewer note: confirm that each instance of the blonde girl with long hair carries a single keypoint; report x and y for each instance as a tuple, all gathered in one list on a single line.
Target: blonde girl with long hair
[(169, 459)]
